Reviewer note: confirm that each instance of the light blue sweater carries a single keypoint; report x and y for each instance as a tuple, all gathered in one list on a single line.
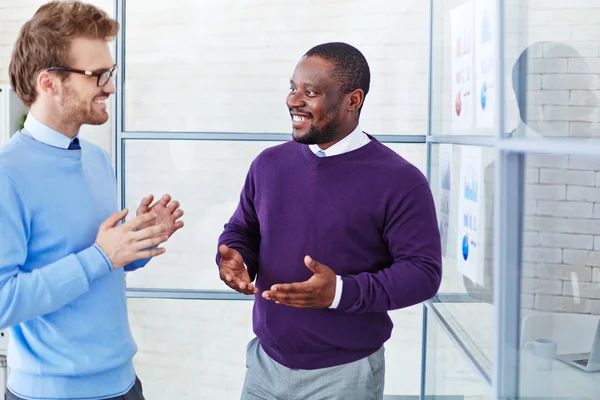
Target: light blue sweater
[(70, 337)]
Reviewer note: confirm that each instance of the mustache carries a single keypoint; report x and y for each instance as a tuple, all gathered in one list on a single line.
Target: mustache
[(300, 111)]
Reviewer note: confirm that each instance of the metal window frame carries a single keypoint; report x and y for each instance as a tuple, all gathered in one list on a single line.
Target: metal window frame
[(508, 215)]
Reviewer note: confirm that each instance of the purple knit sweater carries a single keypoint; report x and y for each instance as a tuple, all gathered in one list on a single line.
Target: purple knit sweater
[(367, 214)]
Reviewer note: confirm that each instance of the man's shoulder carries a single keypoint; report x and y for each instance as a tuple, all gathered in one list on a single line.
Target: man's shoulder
[(278, 152), (395, 167), (13, 156), (93, 152)]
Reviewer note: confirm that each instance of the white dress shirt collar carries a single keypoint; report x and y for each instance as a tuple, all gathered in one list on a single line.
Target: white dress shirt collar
[(45, 134), (353, 141)]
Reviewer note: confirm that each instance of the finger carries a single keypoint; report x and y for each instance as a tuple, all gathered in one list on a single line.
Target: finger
[(297, 287), (313, 265), (149, 232), (248, 287), (174, 205), (177, 225), (237, 284), (300, 304), (164, 200), (114, 219), (286, 298), (177, 214), (139, 221), (151, 252), (146, 201), (226, 252), (151, 242), (292, 299)]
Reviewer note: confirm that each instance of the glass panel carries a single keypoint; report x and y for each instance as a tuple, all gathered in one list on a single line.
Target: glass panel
[(464, 88), (224, 66), (206, 177), (552, 67), (197, 349), (449, 375), (462, 182), (561, 278), (191, 349)]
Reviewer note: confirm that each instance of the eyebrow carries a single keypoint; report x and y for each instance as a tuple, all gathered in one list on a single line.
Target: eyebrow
[(308, 84)]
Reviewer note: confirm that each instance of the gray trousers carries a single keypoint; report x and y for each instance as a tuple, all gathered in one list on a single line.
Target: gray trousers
[(266, 379), (135, 393)]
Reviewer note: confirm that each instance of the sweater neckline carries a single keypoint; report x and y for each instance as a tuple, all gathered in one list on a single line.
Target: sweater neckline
[(47, 149), (316, 160)]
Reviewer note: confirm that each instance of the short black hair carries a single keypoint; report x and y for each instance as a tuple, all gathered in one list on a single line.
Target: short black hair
[(351, 69)]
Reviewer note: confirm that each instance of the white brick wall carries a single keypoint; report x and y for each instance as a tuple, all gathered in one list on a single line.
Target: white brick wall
[(224, 66)]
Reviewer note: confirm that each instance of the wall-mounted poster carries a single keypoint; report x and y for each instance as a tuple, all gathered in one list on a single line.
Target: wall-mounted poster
[(471, 224), (485, 63), (445, 177), (461, 27)]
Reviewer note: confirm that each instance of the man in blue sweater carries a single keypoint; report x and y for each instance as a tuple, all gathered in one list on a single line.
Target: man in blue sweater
[(63, 253), (337, 229)]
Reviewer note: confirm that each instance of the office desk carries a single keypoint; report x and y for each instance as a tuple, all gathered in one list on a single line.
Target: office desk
[(563, 381)]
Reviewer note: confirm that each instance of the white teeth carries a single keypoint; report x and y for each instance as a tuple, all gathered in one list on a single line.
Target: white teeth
[(100, 101), (298, 118)]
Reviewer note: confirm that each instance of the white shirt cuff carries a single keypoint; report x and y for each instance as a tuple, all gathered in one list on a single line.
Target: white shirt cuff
[(338, 292)]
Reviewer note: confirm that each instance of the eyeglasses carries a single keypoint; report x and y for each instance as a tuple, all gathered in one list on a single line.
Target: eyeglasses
[(103, 76)]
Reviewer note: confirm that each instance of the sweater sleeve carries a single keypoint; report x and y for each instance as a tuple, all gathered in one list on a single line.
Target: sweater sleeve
[(242, 232), (27, 295), (413, 239)]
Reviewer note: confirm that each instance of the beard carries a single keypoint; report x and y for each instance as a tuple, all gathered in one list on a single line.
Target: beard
[(76, 109), (314, 135)]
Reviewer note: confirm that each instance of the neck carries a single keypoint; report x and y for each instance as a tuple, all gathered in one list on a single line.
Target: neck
[(53, 120), (344, 132)]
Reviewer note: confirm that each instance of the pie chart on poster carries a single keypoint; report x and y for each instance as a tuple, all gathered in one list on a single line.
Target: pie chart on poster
[(458, 103), (483, 95), (465, 247)]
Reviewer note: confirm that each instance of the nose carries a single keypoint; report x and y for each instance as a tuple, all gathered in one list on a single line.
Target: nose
[(110, 87), (294, 100)]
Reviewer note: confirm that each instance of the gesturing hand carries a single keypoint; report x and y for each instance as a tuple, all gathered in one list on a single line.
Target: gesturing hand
[(317, 292), (167, 212), (233, 272), (126, 243)]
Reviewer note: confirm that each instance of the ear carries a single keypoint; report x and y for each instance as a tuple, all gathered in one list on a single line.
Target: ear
[(356, 99), (47, 83)]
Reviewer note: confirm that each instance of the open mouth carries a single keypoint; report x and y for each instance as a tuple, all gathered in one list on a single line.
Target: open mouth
[(100, 102), (300, 120)]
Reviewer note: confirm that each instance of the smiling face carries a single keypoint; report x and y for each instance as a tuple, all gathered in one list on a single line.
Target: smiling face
[(79, 99), (316, 103)]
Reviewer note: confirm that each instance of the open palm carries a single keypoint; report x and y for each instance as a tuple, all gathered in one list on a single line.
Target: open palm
[(233, 272)]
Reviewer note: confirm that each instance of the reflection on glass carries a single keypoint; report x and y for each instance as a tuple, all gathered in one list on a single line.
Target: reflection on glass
[(206, 177), (224, 66), (449, 375), (190, 350), (462, 181), (555, 91), (560, 278)]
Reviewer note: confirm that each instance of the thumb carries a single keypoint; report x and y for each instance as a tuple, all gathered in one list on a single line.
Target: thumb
[(114, 219), (313, 265), (226, 252)]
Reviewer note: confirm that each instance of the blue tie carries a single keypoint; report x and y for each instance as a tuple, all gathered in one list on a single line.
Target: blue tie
[(320, 153), (74, 145)]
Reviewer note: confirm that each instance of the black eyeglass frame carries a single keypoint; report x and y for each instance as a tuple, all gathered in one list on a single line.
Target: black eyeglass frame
[(107, 74)]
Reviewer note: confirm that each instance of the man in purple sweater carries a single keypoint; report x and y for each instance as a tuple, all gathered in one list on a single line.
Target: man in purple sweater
[(337, 229)]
